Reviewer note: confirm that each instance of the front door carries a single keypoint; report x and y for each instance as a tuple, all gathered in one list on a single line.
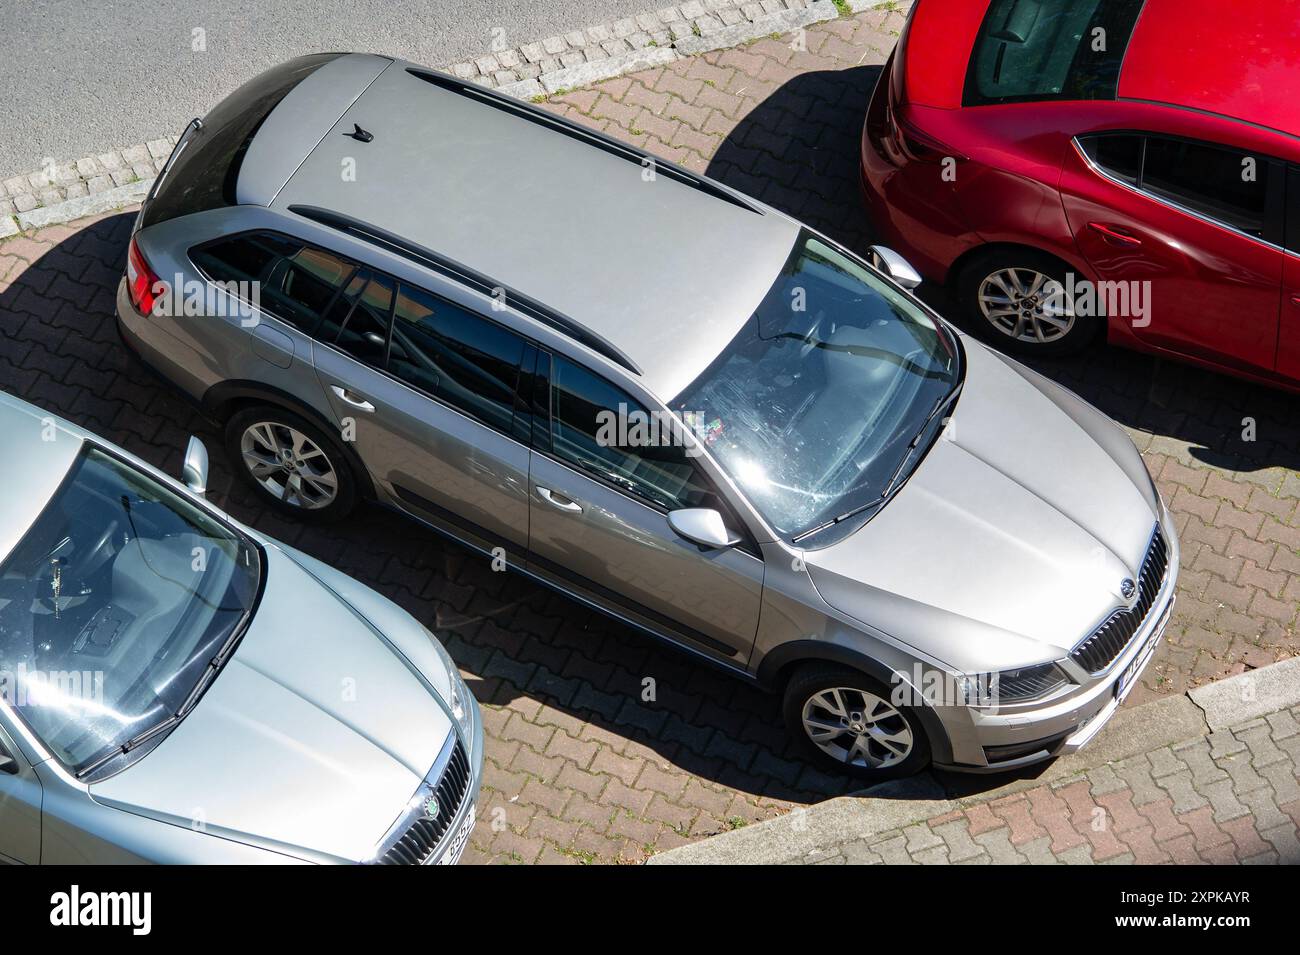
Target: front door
[(599, 525)]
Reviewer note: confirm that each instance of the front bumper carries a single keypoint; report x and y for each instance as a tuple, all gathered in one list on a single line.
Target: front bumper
[(988, 741)]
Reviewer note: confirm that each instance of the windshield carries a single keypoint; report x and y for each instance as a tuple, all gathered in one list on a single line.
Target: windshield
[(1050, 49), (112, 606), (812, 407)]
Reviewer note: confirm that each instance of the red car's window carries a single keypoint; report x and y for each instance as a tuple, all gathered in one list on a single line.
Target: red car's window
[(1030, 50)]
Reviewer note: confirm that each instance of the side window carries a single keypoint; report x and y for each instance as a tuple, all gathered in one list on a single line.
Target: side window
[(1293, 208), (1119, 154), (357, 322), (303, 284), (295, 282), (245, 258), (1225, 184), (594, 426), (453, 354)]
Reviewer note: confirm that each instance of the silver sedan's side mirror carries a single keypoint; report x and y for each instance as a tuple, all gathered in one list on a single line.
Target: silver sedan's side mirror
[(194, 470), (703, 526), (894, 265)]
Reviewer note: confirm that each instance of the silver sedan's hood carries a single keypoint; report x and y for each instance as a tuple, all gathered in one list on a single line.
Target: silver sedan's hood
[(1010, 541), (310, 741)]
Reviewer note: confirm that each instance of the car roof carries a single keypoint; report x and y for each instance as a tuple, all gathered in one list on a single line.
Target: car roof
[(40, 450), (664, 266), (1240, 62)]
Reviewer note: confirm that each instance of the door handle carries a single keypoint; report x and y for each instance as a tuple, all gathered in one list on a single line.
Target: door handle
[(1114, 236), (352, 398), (1295, 299), (558, 500)]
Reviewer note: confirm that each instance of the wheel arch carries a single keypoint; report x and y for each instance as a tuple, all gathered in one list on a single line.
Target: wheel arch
[(225, 399), (1070, 261), (777, 666)]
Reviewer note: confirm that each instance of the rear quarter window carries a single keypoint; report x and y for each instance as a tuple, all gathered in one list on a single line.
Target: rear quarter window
[(202, 175)]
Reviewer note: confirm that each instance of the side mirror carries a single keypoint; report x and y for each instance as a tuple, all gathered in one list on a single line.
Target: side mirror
[(894, 265), (8, 765), (194, 470), (703, 526)]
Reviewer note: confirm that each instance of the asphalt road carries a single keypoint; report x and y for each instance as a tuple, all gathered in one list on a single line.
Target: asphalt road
[(78, 78)]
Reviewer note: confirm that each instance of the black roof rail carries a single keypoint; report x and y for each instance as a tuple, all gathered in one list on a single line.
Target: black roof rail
[(592, 137), (467, 276)]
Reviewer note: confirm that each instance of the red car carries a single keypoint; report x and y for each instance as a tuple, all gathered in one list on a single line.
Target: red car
[(1068, 166)]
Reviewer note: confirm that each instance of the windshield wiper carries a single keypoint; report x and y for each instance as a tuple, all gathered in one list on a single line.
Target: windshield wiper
[(131, 744), (892, 485)]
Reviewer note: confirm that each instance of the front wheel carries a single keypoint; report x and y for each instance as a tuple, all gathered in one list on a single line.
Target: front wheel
[(846, 723), (1020, 301)]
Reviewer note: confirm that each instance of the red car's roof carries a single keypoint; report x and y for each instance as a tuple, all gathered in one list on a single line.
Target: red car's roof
[(1240, 60)]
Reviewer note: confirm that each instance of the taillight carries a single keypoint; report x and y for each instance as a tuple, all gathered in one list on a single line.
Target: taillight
[(143, 284), (921, 146)]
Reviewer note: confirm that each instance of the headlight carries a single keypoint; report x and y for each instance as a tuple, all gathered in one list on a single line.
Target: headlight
[(459, 697), (1013, 686), (1027, 683)]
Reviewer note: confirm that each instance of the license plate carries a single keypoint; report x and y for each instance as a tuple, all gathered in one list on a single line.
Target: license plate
[(456, 847), (1124, 684)]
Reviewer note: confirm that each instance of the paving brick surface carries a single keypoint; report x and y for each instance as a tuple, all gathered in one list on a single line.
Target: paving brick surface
[(579, 767), (1089, 819)]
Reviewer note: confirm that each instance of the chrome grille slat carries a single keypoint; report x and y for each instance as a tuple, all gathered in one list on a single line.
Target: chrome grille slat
[(423, 836), (1096, 653)]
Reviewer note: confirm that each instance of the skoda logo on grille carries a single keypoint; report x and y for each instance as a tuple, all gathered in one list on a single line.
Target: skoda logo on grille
[(431, 807), (1127, 587)]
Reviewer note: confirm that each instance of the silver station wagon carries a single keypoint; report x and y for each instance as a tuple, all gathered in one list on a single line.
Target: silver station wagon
[(176, 688), (664, 398)]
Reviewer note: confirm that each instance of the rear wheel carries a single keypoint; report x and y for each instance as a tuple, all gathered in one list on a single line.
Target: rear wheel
[(1016, 299), (846, 723), (292, 464)]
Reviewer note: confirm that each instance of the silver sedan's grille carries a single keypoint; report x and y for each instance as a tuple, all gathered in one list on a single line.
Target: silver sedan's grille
[(1108, 641), (421, 833)]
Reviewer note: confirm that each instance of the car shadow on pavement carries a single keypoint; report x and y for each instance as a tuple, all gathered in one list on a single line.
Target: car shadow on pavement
[(558, 681), (798, 150)]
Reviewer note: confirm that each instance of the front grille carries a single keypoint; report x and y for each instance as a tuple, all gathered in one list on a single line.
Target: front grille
[(424, 834), (1108, 641)]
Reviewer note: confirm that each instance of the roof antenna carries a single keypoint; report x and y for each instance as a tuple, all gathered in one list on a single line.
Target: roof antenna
[(360, 134)]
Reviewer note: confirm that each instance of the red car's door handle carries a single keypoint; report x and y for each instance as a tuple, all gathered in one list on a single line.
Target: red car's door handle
[(1114, 236)]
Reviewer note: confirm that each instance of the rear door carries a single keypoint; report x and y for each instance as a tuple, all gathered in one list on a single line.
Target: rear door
[(1189, 233), (425, 390), (20, 806), (599, 523)]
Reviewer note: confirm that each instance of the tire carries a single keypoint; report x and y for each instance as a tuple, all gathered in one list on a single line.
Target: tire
[(814, 685), (298, 485), (1034, 328)]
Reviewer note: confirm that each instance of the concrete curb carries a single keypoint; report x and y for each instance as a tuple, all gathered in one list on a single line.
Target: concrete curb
[(894, 805), (783, 21), (1249, 695), (71, 209), (67, 191)]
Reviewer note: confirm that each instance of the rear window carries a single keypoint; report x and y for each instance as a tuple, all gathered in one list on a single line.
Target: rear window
[(203, 173), (1030, 50)]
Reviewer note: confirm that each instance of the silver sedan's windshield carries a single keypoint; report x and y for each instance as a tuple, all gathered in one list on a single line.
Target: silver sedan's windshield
[(815, 405), (112, 607)]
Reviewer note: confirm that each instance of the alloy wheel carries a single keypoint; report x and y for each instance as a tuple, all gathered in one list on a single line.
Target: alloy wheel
[(857, 728), (1026, 305), (289, 465)]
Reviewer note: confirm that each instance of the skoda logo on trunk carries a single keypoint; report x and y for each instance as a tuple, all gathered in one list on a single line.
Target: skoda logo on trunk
[(1127, 587)]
